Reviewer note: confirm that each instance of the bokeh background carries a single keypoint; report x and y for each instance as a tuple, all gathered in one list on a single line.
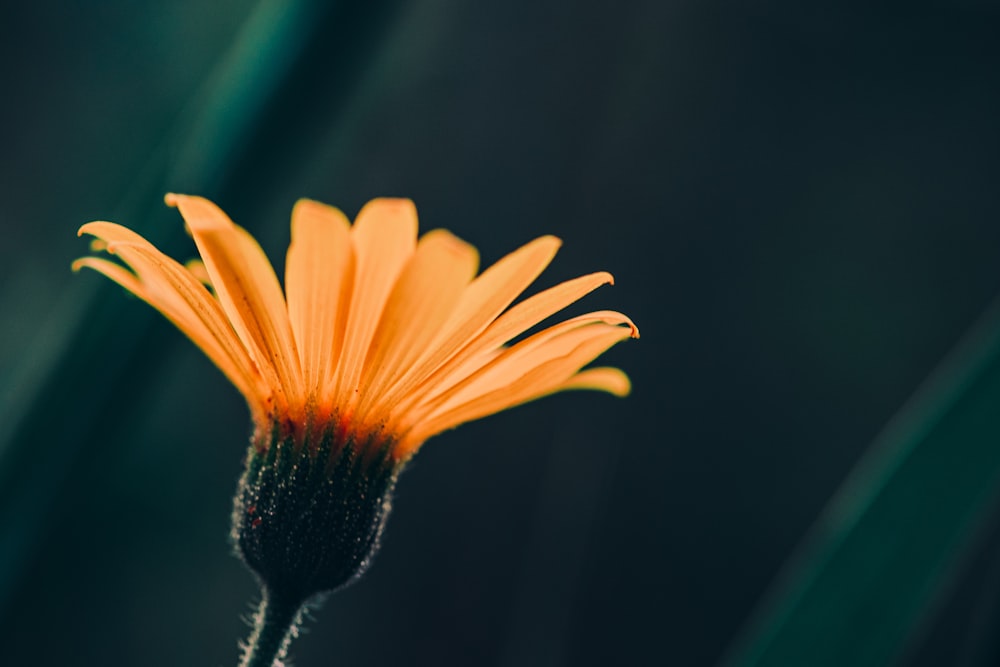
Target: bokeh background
[(799, 203)]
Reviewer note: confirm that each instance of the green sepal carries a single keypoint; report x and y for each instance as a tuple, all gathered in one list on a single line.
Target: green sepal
[(307, 519)]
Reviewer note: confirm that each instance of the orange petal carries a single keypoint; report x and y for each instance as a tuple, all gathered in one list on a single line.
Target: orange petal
[(109, 232), (167, 281), (169, 288), (317, 271), (485, 298), (451, 378), (248, 290), (515, 379), (384, 237), (115, 272), (421, 301), (515, 321), (533, 310), (612, 380), (527, 354)]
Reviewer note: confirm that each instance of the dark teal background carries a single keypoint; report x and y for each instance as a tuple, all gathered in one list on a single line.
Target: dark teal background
[(799, 203)]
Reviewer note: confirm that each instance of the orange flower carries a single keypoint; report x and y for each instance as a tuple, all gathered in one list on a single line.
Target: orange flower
[(378, 342), (378, 335)]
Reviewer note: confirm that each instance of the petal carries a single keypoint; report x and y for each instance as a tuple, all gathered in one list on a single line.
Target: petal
[(421, 301), (516, 379), (384, 237), (183, 319), (163, 279), (612, 380), (247, 289), (450, 379), (110, 232), (524, 355), (318, 280), (533, 310), (485, 298), (115, 272), (518, 319), (171, 289)]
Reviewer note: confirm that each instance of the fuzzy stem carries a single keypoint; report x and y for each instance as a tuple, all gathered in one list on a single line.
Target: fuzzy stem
[(275, 625)]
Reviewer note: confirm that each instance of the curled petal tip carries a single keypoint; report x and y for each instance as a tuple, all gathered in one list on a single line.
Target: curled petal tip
[(612, 317), (88, 228), (627, 321)]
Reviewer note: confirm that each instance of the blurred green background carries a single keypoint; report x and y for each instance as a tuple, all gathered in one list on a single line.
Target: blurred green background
[(799, 204)]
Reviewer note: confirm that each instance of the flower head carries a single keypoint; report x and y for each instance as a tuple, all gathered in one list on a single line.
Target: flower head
[(378, 336), (378, 341)]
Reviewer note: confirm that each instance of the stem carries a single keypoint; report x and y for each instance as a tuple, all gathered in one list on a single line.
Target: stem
[(275, 625)]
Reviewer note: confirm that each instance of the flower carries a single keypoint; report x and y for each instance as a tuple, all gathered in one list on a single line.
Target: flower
[(378, 335), (377, 342)]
